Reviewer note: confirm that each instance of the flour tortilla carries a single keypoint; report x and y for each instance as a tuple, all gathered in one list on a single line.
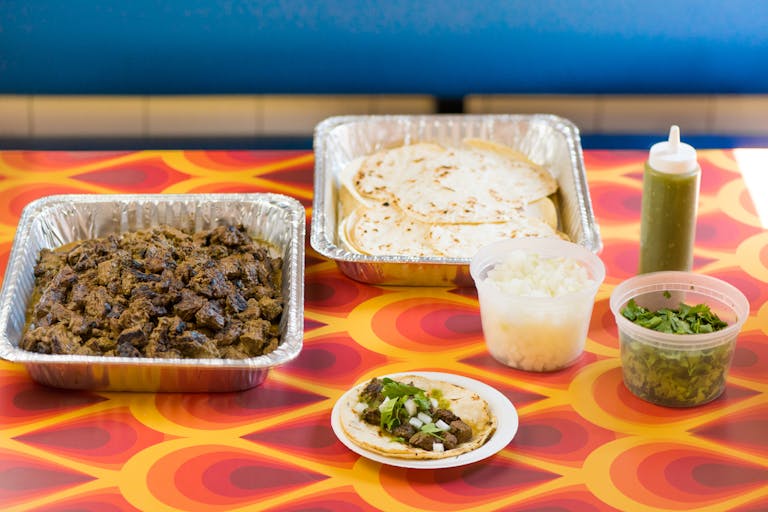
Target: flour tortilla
[(464, 240), (435, 184), (349, 197), (384, 230), (466, 404), (426, 200)]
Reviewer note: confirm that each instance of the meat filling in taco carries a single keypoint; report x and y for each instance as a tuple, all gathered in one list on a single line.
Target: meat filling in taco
[(412, 417)]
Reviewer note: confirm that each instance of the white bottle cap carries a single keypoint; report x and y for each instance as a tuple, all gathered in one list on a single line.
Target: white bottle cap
[(673, 156)]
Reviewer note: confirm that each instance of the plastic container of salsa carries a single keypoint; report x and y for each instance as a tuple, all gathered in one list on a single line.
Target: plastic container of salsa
[(677, 370)]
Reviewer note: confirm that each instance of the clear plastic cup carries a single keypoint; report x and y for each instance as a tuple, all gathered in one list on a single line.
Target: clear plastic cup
[(677, 370), (535, 333)]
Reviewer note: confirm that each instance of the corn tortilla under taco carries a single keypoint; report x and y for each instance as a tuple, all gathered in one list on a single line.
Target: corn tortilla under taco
[(412, 417)]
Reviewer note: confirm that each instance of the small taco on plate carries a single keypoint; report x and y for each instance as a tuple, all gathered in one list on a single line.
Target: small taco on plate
[(413, 417)]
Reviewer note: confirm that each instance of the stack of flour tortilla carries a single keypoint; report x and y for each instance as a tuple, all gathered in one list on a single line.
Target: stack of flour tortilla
[(426, 199)]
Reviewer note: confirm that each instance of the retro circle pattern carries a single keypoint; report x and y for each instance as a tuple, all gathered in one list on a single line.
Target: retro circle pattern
[(584, 442)]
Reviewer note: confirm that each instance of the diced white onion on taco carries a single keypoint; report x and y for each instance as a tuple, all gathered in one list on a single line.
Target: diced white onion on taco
[(424, 417), (416, 422), (442, 425), (383, 403), (433, 401), (360, 407), (411, 407), (438, 447)]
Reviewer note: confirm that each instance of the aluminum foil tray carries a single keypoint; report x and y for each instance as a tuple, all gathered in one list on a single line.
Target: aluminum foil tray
[(548, 140), (56, 220)]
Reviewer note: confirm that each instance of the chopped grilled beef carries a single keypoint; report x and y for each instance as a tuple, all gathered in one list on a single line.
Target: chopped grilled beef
[(449, 441), (372, 415), (372, 390), (423, 440), (210, 316), (158, 293), (406, 431), (188, 305), (445, 415), (461, 430)]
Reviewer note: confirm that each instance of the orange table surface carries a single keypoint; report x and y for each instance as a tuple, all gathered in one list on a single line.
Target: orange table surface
[(584, 443)]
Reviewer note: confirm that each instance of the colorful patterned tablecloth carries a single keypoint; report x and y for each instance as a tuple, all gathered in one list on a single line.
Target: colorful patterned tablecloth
[(584, 442)]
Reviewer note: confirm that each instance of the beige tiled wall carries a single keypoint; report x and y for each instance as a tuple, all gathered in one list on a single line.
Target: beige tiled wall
[(14, 116), (740, 115), (77, 116), (582, 110), (727, 114), (168, 116), (276, 115), (179, 116)]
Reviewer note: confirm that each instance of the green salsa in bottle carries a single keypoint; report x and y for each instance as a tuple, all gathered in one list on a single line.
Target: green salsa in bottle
[(669, 205)]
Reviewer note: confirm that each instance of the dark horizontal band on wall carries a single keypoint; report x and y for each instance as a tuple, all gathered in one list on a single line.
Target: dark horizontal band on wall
[(305, 143)]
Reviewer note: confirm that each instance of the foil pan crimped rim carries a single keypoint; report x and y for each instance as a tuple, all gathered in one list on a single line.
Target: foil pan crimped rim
[(293, 253), (322, 236)]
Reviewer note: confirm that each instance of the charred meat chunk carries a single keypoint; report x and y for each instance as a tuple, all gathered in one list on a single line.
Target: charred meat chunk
[(461, 430), (188, 305), (449, 441), (210, 316), (445, 415), (372, 391), (426, 441), (423, 440), (404, 431), (229, 236), (135, 335), (372, 415)]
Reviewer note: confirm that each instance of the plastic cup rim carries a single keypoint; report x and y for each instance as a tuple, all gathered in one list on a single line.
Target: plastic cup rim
[(679, 281), (594, 264)]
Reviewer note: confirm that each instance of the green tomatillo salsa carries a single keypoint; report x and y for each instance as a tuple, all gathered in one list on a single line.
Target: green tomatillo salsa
[(668, 224), (674, 377)]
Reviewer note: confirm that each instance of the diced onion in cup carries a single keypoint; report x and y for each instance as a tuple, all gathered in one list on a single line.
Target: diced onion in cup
[(438, 447), (416, 422), (529, 320), (531, 275), (442, 425)]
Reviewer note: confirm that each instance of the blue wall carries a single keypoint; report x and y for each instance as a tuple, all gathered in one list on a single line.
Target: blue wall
[(447, 48)]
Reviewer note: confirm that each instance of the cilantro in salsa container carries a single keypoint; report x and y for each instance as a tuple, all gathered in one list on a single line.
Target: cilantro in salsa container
[(677, 335)]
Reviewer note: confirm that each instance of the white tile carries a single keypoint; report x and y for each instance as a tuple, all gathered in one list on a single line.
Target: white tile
[(653, 114), (209, 116), (403, 104), (96, 116), (580, 109), (740, 115), (14, 116), (298, 115)]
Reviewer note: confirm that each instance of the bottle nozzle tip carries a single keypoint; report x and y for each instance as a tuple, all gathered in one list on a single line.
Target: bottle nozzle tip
[(674, 137)]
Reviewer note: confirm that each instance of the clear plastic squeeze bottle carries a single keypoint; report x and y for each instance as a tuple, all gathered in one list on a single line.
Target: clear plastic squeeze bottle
[(669, 205)]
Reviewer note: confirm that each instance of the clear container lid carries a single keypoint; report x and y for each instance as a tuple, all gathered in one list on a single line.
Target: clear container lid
[(668, 289)]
